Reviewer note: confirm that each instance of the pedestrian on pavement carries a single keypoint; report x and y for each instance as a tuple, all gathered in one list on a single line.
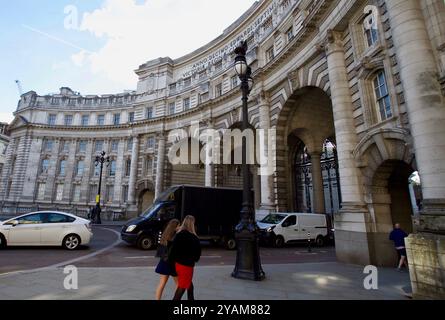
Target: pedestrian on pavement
[(398, 236), (165, 268), (97, 214), (92, 214), (185, 252)]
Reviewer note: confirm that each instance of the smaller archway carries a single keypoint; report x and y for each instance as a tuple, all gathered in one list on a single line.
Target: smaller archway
[(145, 200)]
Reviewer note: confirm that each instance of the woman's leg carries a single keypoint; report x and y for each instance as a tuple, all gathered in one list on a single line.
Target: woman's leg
[(160, 289), (179, 293), (191, 293), (175, 279), (402, 261)]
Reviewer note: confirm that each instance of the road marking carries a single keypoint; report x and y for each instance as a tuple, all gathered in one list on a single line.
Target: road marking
[(61, 264), (148, 257)]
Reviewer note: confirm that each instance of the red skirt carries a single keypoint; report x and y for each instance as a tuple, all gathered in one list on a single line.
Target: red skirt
[(185, 276)]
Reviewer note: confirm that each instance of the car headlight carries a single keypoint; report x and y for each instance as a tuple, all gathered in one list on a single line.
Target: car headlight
[(270, 229), (131, 228)]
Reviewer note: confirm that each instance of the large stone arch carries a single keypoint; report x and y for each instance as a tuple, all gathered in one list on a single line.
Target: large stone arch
[(145, 193), (306, 114), (386, 162)]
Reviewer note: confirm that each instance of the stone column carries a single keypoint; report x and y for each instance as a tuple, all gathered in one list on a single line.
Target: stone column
[(69, 171), (50, 191), (159, 187), (88, 166), (120, 171), (267, 198), (7, 169), (32, 170), (317, 183), (426, 111), (350, 223), (133, 171), (209, 166)]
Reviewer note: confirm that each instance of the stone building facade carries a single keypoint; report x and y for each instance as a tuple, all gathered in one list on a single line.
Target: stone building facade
[(360, 80), (4, 141)]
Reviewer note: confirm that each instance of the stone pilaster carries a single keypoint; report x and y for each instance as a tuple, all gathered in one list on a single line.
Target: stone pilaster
[(426, 111), (267, 194), (160, 166), (350, 223), (209, 165), (133, 171), (317, 183), (69, 172), (32, 170), (120, 171), (7, 169), (89, 165), (50, 189)]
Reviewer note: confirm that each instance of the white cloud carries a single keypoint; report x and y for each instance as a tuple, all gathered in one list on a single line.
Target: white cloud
[(6, 117), (136, 33)]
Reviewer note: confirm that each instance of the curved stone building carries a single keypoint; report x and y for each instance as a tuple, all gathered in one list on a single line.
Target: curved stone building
[(353, 88)]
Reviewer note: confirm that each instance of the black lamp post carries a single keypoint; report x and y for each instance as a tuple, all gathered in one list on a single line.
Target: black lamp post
[(248, 264), (100, 160)]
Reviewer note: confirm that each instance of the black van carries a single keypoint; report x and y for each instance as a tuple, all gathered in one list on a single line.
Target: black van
[(217, 212)]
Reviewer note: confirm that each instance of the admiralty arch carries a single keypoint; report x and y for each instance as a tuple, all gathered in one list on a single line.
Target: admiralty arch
[(354, 90)]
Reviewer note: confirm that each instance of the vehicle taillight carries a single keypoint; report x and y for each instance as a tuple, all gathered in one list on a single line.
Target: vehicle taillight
[(88, 225)]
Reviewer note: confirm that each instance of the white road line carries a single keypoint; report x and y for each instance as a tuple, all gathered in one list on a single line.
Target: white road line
[(65, 263), (148, 257)]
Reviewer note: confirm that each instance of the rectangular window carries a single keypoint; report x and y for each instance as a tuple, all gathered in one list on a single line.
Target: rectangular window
[(96, 170), (149, 166), (101, 120), (68, 120), (172, 108), (66, 146), (114, 145), (187, 82), (117, 119), (186, 103), (149, 113), (270, 54), (234, 80), (127, 167), (45, 166), (59, 192), (382, 96), (218, 90), (150, 142), (125, 193), (85, 120), (113, 168), (99, 147), (131, 117), (93, 192), (172, 87), (371, 30), (82, 146), (76, 193), (52, 119), (80, 168), (130, 144), (62, 168), (48, 145), (110, 193), (41, 187), (290, 34)]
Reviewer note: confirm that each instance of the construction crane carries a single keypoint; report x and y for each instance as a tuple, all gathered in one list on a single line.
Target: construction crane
[(19, 86)]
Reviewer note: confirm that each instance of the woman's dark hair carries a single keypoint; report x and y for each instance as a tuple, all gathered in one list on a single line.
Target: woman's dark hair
[(169, 232)]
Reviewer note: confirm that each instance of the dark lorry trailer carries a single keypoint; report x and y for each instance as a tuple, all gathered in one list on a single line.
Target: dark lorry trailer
[(216, 210)]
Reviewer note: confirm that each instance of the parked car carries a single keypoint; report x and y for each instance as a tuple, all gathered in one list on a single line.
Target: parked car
[(278, 229), (217, 212), (46, 229)]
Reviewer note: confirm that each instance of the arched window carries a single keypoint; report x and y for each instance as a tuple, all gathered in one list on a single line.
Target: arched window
[(383, 101), (370, 29)]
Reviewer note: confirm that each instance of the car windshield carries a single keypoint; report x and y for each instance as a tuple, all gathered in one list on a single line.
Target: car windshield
[(274, 218), (150, 211)]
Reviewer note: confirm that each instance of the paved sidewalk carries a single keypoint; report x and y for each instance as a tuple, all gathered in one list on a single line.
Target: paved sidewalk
[(326, 281)]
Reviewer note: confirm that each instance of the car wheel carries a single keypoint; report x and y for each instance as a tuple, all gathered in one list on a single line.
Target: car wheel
[(2, 241), (145, 242), (230, 244), (279, 242), (319, 241), (71, 242)]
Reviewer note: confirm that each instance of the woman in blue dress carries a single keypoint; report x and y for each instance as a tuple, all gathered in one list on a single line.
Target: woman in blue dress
[(164, 268)]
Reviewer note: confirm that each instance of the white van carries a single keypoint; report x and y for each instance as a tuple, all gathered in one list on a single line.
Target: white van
[(280, 228)]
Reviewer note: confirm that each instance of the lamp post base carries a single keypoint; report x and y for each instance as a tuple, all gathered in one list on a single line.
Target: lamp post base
[(248, 264)]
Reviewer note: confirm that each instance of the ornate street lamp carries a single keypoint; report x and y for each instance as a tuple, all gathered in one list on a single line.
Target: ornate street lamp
[(100, 160), (248, 264)]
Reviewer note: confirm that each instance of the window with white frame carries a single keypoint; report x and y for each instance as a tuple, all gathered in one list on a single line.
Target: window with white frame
[(218, 90), (234, 80), (186, 103), (85, 120), (82, 146), (127, 167), (52, 119), (62, 168), (117, 119), (171, 108), (149, 113), (131, 117), (59, 192), (149, 165), (113, 168), (93, 192), (41, 188), (130, 144), (110, 193), (370, 29), (383, 100), (44, 166), (125, 193), (101, 120), (99, 147), (114, 145), (270, 54), (150, 142), (68, 119), (48, 145), (80, 168), (289, 34), (76, 193)]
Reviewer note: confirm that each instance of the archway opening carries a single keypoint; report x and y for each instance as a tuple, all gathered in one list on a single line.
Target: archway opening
[(391, 204), (146, 199)]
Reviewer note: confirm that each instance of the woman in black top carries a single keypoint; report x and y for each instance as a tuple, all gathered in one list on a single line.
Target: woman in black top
[(165, 268), (185, 252)]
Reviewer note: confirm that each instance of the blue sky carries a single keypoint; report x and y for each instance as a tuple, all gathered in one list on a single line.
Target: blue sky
[(110, 40)]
